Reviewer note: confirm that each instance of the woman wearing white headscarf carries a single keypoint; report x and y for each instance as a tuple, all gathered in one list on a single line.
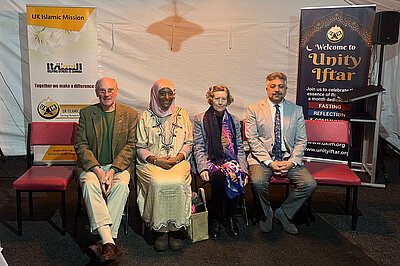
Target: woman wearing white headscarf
[(164, 144)]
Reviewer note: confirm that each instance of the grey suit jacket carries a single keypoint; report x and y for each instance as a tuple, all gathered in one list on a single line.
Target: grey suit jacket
[(200, 147), (260, 132), (90, 135)]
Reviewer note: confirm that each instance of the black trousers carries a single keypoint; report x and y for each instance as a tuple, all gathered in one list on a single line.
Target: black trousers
[(221, 205)]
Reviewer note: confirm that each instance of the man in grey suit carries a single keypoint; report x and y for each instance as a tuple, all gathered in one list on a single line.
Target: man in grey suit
[(276, 133)]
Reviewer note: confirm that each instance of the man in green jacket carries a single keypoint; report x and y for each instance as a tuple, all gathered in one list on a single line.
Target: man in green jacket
[(105, 146)]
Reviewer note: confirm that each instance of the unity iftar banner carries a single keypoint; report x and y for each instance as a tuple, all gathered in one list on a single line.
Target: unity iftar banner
[(334, 56), (62, 42)]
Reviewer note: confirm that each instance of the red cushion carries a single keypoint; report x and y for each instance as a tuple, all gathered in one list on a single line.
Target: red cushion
[(279, 180), (333, 174), (45, 178)]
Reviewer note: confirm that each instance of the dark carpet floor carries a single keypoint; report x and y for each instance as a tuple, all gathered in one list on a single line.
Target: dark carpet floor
[(328, 240)]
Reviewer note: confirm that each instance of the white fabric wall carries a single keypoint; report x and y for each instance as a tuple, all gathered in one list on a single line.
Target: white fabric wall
[(236, 43), (390, 119)]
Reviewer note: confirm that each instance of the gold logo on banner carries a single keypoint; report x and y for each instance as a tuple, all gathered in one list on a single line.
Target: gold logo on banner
[(351, 23), (48, 108), (335, 34)]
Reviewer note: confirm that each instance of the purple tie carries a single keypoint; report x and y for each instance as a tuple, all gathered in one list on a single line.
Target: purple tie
[(277, 149)]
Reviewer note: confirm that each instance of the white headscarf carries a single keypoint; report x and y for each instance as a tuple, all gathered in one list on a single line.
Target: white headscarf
[(154, 103)]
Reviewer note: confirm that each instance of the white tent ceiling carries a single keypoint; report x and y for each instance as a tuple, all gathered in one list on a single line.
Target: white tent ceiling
[(237, 44)]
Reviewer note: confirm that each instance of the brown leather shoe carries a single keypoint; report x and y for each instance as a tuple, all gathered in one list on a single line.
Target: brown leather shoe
[(95, 251), (110, 253)]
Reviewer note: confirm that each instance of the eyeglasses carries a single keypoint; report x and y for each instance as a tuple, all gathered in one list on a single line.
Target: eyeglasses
[(103, 91), (280, 86)]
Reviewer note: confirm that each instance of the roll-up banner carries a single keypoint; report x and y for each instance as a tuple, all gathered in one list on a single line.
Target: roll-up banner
[(62, 43), (334, 56)]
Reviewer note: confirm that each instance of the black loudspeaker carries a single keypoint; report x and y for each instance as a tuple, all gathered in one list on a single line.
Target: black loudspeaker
[(386, 27)]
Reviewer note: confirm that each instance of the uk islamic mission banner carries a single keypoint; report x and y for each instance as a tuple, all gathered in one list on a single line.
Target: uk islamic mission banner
[(62, 45), (334, 56)]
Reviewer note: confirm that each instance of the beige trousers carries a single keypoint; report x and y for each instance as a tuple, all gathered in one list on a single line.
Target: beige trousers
[(105, 211)]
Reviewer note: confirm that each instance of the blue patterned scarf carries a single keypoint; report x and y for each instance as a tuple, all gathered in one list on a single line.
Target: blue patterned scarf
[(222, 152)]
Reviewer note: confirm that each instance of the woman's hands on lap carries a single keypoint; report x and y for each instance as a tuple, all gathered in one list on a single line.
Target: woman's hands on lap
[(166, 162)]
